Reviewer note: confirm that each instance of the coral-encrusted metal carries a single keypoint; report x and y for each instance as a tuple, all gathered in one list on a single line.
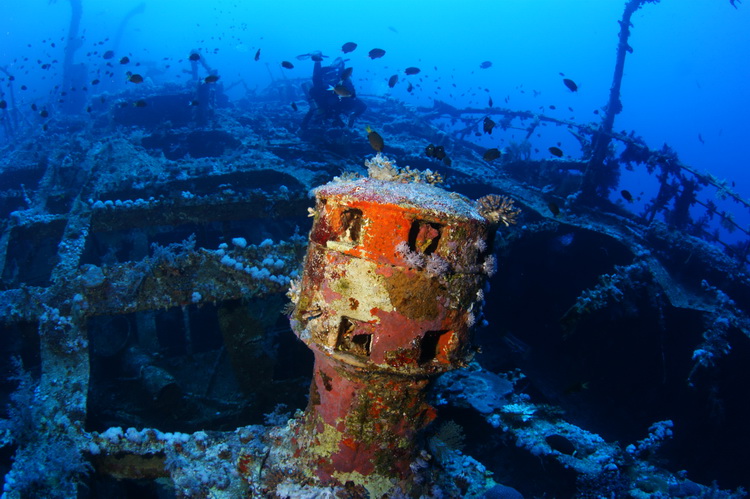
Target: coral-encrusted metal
[(387, 300)]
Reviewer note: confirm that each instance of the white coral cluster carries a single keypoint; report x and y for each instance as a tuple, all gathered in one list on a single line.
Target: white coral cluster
[(433, 264), (481, 245), (436, 265), (270, 268), (295, 286), (118, 203), (381, 167), (412, 258), (498, 209), (489, 266)]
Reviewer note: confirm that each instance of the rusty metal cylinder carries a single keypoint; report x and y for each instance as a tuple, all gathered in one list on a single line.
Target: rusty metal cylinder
[(390, 291)]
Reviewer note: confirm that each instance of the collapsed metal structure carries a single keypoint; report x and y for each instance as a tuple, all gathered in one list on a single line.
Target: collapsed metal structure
[(99, 236), (117, 229)]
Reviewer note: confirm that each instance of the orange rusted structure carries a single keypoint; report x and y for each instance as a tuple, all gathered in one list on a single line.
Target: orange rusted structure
[(391, 286)]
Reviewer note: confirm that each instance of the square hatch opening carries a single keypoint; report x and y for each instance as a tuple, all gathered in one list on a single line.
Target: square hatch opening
[(424, 236), (354, 337), (435, 346)]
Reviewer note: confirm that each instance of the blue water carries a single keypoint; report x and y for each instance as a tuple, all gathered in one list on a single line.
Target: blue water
[(687, 76)]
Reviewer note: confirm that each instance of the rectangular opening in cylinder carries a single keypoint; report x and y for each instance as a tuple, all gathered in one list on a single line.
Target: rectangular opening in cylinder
[(424, 236), (351, 226), (435, 347), (354, 337)]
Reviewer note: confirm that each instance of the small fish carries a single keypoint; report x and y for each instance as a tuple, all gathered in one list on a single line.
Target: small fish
[(376, 141), (33, 107), (140, 103), (43, 113), (348, 47), (490, 102), (347, 73), (488, 125), (491, 154), (626, 195), (88, 109), (556, 151), (376, 53), (211, 78), (135, 78), (287, 65), (700, 138), (439, 153), (577, 387), (410, 88), (316, 56), (257, 55), (94, 82), (430, 151), (553, 208), (485, 65), (194, 103), (124, 60), (392, 81), (109, 54), (195, 57), (294, 106), (341, 91), (570, 84), (3, 104), (412, 70)]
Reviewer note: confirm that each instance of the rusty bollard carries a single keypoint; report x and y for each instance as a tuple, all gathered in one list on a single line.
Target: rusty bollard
[(391, 288)]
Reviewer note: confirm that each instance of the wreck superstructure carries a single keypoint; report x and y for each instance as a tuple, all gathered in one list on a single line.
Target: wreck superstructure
[(145, 257)]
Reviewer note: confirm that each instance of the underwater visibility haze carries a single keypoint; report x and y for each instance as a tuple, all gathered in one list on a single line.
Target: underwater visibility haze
[(374, 249)]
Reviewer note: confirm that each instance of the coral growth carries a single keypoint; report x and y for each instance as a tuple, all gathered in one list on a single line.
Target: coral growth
[(48, 462), (498, 209), (724, 315), (612, 288), (381, 167)]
